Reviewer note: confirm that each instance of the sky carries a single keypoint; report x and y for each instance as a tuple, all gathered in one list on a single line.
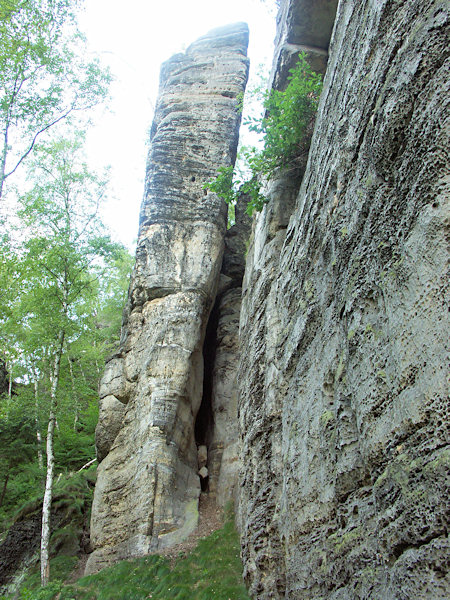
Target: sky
[(134, 38)]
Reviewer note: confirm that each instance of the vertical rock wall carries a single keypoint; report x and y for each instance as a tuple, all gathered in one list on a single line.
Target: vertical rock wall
[(344, 408), (302, 27), (224, 448), (147, 489)]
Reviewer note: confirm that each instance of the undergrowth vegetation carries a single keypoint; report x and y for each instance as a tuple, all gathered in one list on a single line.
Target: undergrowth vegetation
[(285, 128), (21, 471), (212, 570)]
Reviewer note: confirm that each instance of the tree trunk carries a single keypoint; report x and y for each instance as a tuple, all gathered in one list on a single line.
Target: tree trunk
[(3, 159), (74, 392), (36, 420), (5, 483), (9, 368), (47, 503), (10, 383), (83, 374)]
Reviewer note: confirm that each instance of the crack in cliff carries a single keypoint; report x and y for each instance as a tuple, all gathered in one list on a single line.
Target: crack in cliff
[(204, 424)]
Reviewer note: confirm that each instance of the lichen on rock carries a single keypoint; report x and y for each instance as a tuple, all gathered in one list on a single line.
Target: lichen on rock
[(343, 390)]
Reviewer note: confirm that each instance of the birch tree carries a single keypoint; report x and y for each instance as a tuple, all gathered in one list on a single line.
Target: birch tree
[(62, 262)]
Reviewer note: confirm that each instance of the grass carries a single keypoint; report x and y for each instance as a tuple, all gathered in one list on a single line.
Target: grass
[(213, 570)]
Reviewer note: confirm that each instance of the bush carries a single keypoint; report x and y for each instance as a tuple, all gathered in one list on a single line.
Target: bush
[(289, 118)]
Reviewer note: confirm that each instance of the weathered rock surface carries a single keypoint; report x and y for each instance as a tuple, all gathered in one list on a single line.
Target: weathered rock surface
[(344, 329), (18, 550), (340, 428), (224, 442), (261, 389), (302, 26), (148, 484)]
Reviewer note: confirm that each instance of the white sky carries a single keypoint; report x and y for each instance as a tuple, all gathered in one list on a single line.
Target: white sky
[(134, 38)]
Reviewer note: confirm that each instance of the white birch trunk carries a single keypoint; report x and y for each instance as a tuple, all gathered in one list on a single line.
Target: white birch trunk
[(36, 420), (74, 393), (47, 503), (3, 159), (9, 368), (10, 383)]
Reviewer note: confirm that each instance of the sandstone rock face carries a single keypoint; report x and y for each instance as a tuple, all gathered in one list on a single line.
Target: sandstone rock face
[(302, 26), (224, 443), (148, 484), (344, 327)]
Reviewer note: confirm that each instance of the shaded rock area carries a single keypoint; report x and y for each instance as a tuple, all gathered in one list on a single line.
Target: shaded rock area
[(146, 497), (224, 440), (19, 549), (344, 410), (302, 26)]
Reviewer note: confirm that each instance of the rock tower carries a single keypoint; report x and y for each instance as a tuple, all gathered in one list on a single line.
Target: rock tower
[(332, 398), (146, 497)]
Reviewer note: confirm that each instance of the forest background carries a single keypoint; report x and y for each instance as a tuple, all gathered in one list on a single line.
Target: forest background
[(63, 280)]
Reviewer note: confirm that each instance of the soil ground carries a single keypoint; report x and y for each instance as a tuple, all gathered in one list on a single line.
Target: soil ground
[(210, 519)]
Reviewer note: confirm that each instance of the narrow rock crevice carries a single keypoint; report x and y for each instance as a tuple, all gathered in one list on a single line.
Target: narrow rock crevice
[(204, 423)]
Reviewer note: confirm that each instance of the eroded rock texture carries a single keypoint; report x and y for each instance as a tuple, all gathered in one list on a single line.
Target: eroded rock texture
[(148, 485), (224, 448), (344, 329)]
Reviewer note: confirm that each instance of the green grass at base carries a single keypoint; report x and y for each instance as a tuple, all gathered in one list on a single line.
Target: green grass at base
[(213, 570)]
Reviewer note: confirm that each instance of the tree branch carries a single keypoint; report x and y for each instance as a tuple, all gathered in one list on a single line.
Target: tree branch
[(33, 142), (88, 464)]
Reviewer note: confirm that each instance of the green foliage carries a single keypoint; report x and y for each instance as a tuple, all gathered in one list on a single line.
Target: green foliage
[(289, 115), (74, 447), (23, 486), (66, 274), (222, 185), (289, 118), (46, 593), (227, 187), (58, 303), (44, 77), (17, 452), (69, 251), (72, 493), (61, 568), (17, 435), (212, 570)]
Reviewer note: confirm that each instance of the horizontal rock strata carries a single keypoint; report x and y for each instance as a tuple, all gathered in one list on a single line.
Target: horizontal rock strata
[(147, 491)]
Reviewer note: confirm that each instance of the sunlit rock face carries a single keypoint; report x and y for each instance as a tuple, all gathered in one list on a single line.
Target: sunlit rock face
[(148, 486), (344, 332)]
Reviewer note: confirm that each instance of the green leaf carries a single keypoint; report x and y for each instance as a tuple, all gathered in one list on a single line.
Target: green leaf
[(288, 121)]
